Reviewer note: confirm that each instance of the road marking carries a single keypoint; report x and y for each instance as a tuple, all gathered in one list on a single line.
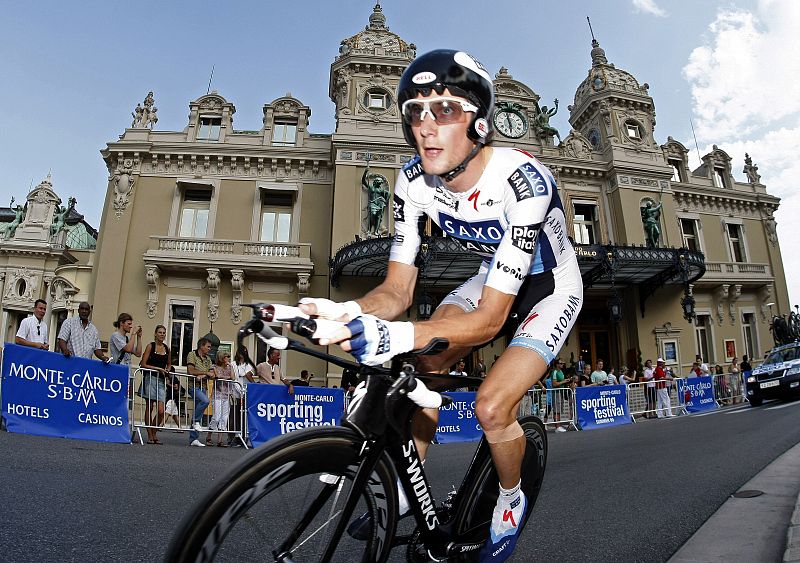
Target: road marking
[(792, 404), (723, 411)]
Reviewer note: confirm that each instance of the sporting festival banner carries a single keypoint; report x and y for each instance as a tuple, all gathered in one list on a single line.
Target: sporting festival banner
[(457, 421), (272, 411), (46, 394), (602, 406), (697, 393)]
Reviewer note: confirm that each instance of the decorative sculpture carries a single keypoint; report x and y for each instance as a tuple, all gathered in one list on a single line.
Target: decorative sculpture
[(542, 122), (60, 218), (145, 116), (123, 185), (10, 229), (751, 170), (650, 219), (377, 187)]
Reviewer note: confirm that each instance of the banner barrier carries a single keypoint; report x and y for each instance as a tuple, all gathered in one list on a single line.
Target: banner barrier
[(457, 421), (46, 394), (272, 411), (696, 394), (602, 406)]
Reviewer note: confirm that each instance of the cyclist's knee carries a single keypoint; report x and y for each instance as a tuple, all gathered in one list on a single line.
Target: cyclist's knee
[(492, 413)]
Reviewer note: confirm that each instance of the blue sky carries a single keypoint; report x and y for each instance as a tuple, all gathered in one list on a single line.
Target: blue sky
[(74, 71)]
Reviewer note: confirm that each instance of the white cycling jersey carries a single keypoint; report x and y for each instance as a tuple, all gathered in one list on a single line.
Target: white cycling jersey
[(513, 217)]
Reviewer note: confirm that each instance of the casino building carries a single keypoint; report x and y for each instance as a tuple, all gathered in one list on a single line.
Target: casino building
[(201, 221)]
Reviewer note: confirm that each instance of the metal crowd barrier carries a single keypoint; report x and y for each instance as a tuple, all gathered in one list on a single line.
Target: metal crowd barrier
[(728, 389), (154, 401), (643, 400), (555, 407)]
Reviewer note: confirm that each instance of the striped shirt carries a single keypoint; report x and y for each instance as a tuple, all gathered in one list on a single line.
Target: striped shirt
[(80, 341)]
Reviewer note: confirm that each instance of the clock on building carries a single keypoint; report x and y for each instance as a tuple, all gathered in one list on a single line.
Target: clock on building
[(510, 121)]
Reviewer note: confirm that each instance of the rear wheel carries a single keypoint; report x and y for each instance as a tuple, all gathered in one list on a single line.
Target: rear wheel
[(477, 513), (282, 503)]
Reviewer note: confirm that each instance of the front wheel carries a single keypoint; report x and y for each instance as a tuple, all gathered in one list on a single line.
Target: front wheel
[(283, 501)]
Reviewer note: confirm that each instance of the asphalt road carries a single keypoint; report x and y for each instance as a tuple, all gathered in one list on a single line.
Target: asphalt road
[(632, 493)]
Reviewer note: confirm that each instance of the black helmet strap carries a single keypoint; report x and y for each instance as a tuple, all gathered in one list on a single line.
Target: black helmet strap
[(450, 176)]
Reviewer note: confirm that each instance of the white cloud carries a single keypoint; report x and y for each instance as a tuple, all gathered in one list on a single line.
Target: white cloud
[(746, 98), (648, 7)]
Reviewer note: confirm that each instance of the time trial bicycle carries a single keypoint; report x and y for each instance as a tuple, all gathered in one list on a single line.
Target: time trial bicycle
[(329, 493)]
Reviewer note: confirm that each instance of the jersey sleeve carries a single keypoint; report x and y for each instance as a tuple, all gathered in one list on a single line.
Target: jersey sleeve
[(527, 205), (406, 217)]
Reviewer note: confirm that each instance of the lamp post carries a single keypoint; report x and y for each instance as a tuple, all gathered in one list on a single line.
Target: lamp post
[(687, 301), (615, 302)]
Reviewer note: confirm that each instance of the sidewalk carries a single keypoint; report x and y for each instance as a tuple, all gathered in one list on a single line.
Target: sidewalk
[(754, 529)]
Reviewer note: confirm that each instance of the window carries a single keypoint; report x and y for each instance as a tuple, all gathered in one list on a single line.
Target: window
[(677, 169), (748, 334), (735, 242), (377, 99), (209, 129), (719, 177), (284, 134), (583, 225), (194, 213), (276, 216), (690, 238), (702, 332), (182, 333), (634, 130)]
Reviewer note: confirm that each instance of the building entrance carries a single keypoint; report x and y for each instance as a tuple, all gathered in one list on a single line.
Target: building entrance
[(594, 345)]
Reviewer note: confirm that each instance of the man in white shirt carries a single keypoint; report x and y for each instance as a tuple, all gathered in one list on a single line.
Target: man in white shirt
[(32, 331), (703, 366), (599, 377)]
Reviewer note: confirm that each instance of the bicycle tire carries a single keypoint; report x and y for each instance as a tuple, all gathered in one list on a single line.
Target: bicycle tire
[(476, 515), (252, 506)]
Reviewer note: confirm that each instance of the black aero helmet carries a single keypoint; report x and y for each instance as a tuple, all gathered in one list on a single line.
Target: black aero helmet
[(462, 75)]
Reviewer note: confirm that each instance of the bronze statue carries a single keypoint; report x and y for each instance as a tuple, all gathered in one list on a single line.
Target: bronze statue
[(542, 123), (19, 214), (60, 218), (378, 197), (650, 219)]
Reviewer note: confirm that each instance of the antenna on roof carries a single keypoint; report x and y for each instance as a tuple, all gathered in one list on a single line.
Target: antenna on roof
[(696, 147), (590, 27), (210, 78)]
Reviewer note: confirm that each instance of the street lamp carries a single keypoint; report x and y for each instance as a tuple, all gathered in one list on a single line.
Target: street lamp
[(615, 302), (687, 301)]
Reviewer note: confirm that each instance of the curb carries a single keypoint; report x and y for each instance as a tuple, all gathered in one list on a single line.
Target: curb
[(792, 554)]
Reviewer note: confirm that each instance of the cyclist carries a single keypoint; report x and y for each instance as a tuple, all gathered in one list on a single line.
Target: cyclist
[(502, 204)]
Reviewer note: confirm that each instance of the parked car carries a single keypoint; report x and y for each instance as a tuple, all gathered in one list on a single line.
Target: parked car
[(777, 377)]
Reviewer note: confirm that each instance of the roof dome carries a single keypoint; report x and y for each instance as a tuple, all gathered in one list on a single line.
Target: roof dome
[(603, 78), (377, 34)]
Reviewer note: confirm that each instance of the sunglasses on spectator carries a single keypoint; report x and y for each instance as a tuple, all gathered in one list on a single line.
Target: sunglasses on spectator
[(443, 110)]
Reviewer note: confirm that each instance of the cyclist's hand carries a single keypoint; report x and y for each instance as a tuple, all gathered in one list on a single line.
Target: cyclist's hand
[(327, 309), (374, 341)]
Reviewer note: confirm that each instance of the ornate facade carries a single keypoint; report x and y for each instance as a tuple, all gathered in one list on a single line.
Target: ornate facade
[(199, 222)]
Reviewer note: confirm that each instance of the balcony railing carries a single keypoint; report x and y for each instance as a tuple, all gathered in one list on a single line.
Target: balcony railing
[(736, 271), (183, 252)]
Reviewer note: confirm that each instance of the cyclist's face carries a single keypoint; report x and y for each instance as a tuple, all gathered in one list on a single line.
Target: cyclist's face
[(442, 147)]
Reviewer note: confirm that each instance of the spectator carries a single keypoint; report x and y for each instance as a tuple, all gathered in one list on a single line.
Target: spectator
[(198, 365), (243, 373), (221, 396), (558, 381), (580, 365), (458, 371), (120, 345), (32, 331), (304, 380), (480, 368), (174, 394), (349, 380), (153, 389), (628, 376), (663, 406), (717, 370), (745, 365), (695, 371), (703, 366), (649, 389), (599, 377), (733, 378), (585, 376), (270, 371), (79, 337), (612, 377)]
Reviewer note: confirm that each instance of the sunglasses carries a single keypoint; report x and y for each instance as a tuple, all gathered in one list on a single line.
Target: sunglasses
[(443, 110)]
